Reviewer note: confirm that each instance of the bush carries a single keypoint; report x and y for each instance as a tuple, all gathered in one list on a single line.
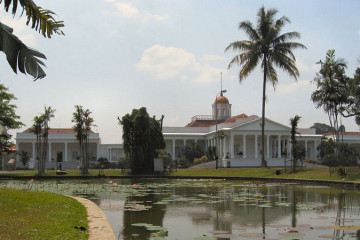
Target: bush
[(278, 172), (203, 159), (329, 160), (313, 161), (184, 163)]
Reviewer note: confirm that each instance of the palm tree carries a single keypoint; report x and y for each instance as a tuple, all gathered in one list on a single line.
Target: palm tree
[(41, 129), (18, 55), (268, 45), (294, 130), (83, 123)]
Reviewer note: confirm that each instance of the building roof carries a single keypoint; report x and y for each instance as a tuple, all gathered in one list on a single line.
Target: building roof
[(233, 119), (201, 123), (221, 99), (57, 131), (342, 133)]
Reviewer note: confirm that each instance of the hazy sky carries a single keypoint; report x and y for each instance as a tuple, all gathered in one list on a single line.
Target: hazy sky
[(167, 55)]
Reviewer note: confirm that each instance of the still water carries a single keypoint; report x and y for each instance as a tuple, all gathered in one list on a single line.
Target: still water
[(209, 209)]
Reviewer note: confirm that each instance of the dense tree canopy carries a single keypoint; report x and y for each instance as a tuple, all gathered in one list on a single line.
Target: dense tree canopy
[(269, 47), (8, 117), (19, 56), (142, 136)]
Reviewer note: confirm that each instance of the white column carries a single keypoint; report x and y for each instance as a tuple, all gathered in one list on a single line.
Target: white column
[(256, 146), (288, 149), (306, 148), (244, 146), (17, 155), (33, 150), (268, 145), (184, 143), (315, 149), (225, 150), (49, 151), (97, 150), (110, 153), (66, 152), (231, 146), (173, 148), (195, 141), (279, 146)]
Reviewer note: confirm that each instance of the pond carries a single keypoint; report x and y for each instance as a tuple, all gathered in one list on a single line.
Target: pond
[(215, 209)]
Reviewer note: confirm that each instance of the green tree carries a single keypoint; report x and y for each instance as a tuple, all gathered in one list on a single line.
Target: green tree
[(142, 136), (322, 128), (192, 151), (294, 130), (266, 44), (41, 129), (349, 156), (8, 117), (211, 153), (352, 107), (24, 157), (83, 123), (332, 91), (19, 56)]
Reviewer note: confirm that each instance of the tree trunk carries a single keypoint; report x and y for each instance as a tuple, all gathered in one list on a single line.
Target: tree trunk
[(263, 161)]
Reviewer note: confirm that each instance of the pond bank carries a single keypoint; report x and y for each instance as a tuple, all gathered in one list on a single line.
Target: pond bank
[(99, 227)]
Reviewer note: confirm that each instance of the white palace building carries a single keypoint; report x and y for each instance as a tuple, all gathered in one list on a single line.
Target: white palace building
[(239, 147), (241, 144)]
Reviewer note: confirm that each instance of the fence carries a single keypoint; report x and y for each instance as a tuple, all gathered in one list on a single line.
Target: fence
[(344, 170)]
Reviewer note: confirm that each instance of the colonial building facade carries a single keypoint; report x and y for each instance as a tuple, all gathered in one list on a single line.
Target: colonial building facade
[(239, 144), (63, 147)]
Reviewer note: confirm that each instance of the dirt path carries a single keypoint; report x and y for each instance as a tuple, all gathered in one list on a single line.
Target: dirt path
[(99, 227)]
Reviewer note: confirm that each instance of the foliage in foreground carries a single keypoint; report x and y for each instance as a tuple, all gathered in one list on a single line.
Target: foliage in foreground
[(19, 56), (40, 215)]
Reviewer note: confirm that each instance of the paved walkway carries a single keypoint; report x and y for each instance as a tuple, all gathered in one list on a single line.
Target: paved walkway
[(99, 227)]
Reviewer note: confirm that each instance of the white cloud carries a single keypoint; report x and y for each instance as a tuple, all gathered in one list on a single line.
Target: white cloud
[(129, 10), (295, 87), (170, 62), (21, 30)]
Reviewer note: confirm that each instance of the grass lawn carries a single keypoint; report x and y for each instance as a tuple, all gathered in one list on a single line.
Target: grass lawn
[(315, 173), (306, 173), (40, 215)]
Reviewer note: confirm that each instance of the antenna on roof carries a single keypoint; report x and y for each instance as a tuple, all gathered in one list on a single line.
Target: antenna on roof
[(221, 92)]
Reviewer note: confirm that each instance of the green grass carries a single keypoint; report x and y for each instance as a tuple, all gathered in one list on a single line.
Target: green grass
[(40, 215), (316, 173), (306, 173)]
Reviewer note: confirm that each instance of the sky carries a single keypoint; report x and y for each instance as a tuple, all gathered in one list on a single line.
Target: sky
[(168, 56)]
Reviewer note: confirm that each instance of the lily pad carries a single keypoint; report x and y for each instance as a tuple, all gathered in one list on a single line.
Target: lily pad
[(350, 227)]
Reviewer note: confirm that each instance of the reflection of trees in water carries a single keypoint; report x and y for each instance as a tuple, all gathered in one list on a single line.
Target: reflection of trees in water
[(227, 214), (154, 215)]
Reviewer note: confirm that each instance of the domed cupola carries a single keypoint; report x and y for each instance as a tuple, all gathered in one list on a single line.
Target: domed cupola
[(221, 109)]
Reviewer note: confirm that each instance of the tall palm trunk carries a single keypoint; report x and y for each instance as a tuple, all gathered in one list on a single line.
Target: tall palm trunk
[(263, 161)]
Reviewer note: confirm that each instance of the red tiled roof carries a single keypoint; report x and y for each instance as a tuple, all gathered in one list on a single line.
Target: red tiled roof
[(343, 133), (12, 147), (57, 130), (233, 119)]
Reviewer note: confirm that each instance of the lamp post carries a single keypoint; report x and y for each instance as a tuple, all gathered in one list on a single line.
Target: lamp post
[(217, 135)]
